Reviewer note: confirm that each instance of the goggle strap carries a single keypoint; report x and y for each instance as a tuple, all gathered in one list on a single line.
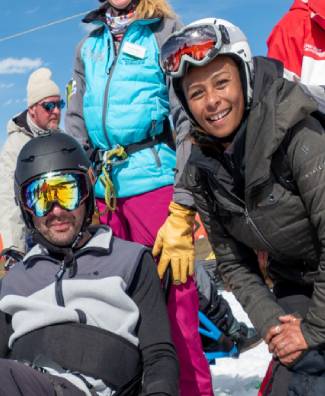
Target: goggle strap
[(224, 34)]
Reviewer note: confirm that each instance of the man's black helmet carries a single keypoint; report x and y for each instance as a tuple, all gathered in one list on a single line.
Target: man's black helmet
[(51, 152)]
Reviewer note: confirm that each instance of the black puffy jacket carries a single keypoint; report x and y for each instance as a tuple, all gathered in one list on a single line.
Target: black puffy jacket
[(289, 225)]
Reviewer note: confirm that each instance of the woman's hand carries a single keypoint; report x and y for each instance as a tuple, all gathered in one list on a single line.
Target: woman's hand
[(174, 244), (286, 340)]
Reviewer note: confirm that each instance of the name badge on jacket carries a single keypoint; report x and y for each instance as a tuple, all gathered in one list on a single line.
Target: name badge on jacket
[(134, 50)]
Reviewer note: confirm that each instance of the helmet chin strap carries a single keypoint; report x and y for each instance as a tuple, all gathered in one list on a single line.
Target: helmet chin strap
[(39, 238), (67, 251)]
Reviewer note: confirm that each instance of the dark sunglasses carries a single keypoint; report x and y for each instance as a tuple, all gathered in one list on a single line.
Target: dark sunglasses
[(50, 106)]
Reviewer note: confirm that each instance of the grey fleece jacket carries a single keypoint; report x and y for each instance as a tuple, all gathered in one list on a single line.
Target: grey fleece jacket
[(115, 288)]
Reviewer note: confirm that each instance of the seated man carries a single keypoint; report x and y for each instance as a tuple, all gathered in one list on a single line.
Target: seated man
[(83, 312)]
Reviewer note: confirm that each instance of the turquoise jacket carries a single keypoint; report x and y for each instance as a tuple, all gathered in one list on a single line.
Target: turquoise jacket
[(124, 99)]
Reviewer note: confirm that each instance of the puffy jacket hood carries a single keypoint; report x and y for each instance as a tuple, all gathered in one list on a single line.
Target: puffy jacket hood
[(277, 106), (291, 104), (177, 85)]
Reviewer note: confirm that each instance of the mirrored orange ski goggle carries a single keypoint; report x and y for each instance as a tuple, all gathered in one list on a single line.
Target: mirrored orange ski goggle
[(68, 190), (196, 45)]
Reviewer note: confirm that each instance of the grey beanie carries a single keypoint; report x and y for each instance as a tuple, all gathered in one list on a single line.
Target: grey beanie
[(41, 86)]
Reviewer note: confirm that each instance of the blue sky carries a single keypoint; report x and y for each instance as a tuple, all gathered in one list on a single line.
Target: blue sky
[(54, 46)]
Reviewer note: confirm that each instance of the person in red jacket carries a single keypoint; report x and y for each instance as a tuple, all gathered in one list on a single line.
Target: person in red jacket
[(298, 40)]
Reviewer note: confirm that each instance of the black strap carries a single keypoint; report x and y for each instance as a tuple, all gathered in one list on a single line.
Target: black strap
[(165, 137), (12, 253), (146, 143), (281, 167), (86, 349)]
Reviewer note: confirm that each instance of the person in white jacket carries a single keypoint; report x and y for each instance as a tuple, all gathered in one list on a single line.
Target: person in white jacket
[(43, 113)]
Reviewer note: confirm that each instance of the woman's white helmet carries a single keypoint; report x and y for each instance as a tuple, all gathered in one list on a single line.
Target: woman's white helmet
[(237, 47), (197, 47)]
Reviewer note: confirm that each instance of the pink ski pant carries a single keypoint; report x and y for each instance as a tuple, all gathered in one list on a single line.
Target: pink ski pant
[(138, 219)]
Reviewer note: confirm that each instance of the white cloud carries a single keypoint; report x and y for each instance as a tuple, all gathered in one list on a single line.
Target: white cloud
[(11, 101), (19, 65), (6, 86)]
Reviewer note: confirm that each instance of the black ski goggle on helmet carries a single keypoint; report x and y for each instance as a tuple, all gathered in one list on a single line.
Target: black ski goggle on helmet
[(196, 45), (67, 189)]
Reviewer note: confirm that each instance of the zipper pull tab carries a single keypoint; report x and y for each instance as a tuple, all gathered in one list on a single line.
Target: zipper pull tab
[(61, 272), (246, 216), (73, 268)]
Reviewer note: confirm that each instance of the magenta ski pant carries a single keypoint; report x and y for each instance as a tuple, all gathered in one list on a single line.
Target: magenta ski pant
[(138, 219)]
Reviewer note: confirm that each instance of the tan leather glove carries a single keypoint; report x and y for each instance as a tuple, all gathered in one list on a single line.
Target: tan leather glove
[(174, 244)]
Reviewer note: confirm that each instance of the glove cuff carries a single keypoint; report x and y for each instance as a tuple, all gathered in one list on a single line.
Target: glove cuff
[(180, 210)]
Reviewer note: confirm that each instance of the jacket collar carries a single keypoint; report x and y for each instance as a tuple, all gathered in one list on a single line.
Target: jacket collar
[(202, 159), (98, 17), (100, 242), (19, 124), (22, 123)]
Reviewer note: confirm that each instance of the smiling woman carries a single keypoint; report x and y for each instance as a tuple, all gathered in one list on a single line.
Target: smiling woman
[(256, 137)]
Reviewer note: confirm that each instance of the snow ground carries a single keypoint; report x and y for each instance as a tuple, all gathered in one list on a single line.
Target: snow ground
[(242, 376)]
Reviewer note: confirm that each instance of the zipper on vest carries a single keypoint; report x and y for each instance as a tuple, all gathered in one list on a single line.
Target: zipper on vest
[(58, 285), (105, 106), (153, 149), (105, 113), (156, 156)]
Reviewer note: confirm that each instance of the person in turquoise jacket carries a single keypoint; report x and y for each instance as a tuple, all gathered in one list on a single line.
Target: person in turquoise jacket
[(122, 106)]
